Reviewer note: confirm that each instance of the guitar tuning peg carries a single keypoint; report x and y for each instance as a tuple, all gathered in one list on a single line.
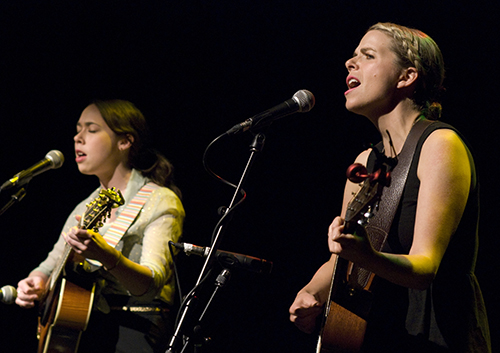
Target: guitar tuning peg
[(357, 173), (368, 215), (363, 221)]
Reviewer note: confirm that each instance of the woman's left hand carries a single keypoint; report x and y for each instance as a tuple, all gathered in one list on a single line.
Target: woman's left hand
[(87, 243), (353, 247)]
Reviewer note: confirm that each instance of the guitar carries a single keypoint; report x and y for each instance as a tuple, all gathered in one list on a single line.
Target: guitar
[(65, 306), (349, 299)]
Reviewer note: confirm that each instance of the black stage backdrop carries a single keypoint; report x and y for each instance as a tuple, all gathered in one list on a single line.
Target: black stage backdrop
[(196, 68)]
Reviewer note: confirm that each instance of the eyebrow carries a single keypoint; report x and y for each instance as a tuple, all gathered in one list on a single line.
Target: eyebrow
[(86, 124), (364, 51)]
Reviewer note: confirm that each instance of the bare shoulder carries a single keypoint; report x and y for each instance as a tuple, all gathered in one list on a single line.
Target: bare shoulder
[(444, 152), (442, 138)]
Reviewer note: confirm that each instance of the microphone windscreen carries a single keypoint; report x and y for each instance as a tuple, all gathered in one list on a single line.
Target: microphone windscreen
[(305, 99), (9, 294), (56, 157)]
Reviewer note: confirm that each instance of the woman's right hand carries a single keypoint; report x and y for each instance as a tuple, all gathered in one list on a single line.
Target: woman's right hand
[(304, 311), (29, 290)]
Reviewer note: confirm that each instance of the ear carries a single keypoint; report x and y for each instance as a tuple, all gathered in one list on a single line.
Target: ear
[(408, 77), (126, 142)]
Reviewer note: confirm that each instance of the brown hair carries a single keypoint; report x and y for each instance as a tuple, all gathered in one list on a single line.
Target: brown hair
[(123, 118)]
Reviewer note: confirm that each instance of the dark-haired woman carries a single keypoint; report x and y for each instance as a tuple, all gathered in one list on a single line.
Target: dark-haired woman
[(134, 280)]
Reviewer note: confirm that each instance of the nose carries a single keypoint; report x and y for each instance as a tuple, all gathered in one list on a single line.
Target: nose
[(350, 64), (78, 137)]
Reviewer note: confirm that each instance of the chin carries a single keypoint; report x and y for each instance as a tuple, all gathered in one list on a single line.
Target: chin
[(350, 105), (83, 170), (353, 109), (358, 109)]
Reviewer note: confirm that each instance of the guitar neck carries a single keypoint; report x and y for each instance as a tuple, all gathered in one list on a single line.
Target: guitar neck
[(56, 273), (61, 264)]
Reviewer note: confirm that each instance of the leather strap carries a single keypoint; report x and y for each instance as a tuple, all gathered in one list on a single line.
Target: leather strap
[(379, 226)]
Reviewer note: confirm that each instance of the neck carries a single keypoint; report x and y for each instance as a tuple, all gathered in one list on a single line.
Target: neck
[(118, 179), (395, 127)]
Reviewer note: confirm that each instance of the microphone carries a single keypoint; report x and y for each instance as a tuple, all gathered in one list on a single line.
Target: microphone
[(228, 259), (53, 160), (302, 102), (8, 294)]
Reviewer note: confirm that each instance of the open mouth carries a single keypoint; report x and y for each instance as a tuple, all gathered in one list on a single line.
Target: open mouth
[(353, 82), (80, 156)]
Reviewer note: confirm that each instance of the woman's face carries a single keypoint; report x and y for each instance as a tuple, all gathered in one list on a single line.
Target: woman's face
[(96, 145), (373, 76)]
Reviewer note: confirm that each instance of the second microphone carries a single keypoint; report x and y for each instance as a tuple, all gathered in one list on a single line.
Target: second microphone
[(228, 259)]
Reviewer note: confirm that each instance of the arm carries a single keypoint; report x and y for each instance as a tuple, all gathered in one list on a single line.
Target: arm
[(32, 288), (445, 176), (145, 275), (136, 278)]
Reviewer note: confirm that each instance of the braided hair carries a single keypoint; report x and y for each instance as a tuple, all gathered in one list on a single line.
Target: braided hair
[(416, 49)]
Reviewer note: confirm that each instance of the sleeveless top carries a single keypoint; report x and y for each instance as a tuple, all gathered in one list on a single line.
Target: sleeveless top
[(450, 315)]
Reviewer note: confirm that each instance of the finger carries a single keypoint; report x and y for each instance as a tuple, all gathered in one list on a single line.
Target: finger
[(27, 296), (338, 221), (74, 242), (337, 225), (24, 304), (25, 286), (84, 234), (335, 234), (70, 235)]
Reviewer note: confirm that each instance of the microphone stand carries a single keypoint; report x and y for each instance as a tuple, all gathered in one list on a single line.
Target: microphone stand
[(198, 339), (255, 147), (17, 197)]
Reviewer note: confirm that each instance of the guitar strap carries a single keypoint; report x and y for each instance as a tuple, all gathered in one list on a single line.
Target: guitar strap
[(378, 228), (127, 217)]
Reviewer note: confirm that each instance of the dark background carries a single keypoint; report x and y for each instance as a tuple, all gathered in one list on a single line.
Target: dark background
[(195, 69)]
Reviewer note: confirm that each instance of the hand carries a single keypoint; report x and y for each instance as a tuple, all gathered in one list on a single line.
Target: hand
[(29, 290), (304, 311), (353, 247), (87, 243)]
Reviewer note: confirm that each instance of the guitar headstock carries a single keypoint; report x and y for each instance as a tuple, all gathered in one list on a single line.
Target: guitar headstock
[(363, 205), (100, 208)]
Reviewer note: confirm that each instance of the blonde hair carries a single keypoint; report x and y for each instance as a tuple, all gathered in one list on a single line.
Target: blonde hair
[(416, 49)]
